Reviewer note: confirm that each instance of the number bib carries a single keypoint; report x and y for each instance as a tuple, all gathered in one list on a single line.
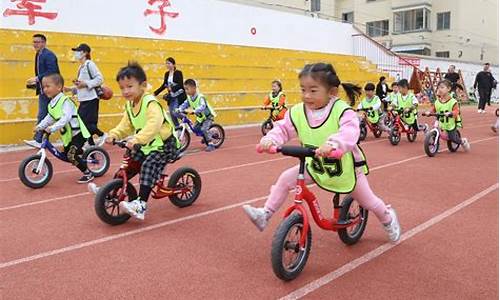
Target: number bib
[(373, 116), (446, 123), (334, 175)]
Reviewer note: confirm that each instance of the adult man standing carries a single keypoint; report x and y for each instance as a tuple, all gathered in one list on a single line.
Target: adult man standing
[(484, 83), (452, 76), (45, 64)]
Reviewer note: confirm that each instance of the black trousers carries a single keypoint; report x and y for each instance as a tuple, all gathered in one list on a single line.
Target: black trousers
[(74, 152), (89, 113), (484, 97)]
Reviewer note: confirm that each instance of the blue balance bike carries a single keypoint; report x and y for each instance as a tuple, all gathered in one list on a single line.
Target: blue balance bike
[(215, 131), (36, 170)]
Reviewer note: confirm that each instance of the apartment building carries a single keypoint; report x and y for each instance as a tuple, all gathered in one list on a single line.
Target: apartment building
[(457, 29)]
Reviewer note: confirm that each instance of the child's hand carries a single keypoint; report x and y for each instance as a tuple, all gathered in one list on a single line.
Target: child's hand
[(109, 140), (324, 150), (48, 129), (265, 144), (427, 113), (130, 144)]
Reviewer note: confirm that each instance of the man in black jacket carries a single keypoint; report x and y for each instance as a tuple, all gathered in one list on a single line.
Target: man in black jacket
[(45, 64), (484, 83), (453, 77)]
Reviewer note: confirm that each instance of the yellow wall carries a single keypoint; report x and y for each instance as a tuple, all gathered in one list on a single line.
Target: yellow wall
[(231, 76)]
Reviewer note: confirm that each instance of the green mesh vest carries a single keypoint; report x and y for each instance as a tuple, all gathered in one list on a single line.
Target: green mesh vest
[(373, 115), (56, 112), (195, 103), (334, 175), (407, 102), (446, 123), (139, 121), (275, 101)]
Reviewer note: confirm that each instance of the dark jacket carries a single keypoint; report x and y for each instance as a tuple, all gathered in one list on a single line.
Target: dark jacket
[(484, 81), (379, 91), (177, 88), (45, 64), (453, 77)]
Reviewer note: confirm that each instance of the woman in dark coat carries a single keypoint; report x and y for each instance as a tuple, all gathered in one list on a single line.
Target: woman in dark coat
[(174, 83), (382, 90)]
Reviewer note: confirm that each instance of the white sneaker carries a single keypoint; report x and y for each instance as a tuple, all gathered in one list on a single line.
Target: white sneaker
[(135, 208), (479, 111), (393, 229), (93, 188), (259, 216), (465, 144), (33, 143), (100, 140), (483, 111)]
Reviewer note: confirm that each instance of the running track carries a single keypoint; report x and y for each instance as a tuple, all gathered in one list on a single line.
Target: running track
[(54, 247)]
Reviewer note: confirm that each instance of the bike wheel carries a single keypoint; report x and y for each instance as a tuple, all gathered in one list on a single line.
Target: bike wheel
[(411, 135), (395, 136), (106, 203), (362, 132), (217, 134), (97, 160), (452, 146), (184, 140), (187, 185), (287, 257), (29, 177), (351, 210), (377, 133), (266, 126), (430, 145)]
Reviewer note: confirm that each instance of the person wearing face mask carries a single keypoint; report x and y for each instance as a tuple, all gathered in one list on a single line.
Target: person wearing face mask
[(45, 63), (89, 78)]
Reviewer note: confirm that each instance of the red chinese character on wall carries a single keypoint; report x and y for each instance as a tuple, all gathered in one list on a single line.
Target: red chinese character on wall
[(27, 8), (161, 11)]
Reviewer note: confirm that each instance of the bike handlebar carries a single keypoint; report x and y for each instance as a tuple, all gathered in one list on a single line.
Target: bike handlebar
[(123, 144), (449, 114), (298, 151)]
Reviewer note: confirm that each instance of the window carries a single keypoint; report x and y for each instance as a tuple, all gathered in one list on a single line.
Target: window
[(443, 21), (315, 5), (411, 20), (443, 54), (377, 28), (424, 51), (348, 17)]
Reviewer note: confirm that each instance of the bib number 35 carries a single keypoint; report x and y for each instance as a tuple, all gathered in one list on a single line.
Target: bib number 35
[(332, 167)]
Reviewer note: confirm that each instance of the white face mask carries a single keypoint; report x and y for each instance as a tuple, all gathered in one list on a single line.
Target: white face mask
[(78, 55)]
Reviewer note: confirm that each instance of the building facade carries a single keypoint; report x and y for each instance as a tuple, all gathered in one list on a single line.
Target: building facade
[(456, 29)]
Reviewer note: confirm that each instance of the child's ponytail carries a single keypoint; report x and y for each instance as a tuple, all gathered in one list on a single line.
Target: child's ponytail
[(353, 91)]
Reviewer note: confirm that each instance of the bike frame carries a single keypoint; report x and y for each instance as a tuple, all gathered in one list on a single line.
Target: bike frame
[(302, 193), (400, 125), (371, 126), (187, 122), (160, 190)]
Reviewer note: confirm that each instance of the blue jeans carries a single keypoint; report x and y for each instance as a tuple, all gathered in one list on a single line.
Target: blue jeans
[(43, 103), (173, 104)]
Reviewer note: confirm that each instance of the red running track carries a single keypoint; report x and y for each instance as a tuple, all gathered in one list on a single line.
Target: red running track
[(54, 247)]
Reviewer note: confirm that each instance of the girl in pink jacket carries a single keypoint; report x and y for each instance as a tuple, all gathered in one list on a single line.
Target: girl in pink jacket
[(319, 84)]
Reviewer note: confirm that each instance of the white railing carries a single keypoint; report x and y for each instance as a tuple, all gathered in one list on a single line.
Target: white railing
[(387, 61)]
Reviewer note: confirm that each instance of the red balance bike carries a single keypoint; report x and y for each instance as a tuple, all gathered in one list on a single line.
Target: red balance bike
[(364, 123), (182, 189), (399, 127), (431, 141), (292, 240)]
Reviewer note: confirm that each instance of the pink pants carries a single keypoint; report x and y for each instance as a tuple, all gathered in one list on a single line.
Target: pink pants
[(362, 193)]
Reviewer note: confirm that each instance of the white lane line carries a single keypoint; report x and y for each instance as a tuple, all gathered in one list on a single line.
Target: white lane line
[(87, 193), (225, 169), (188, 154), (316, 284), (147, 228)]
